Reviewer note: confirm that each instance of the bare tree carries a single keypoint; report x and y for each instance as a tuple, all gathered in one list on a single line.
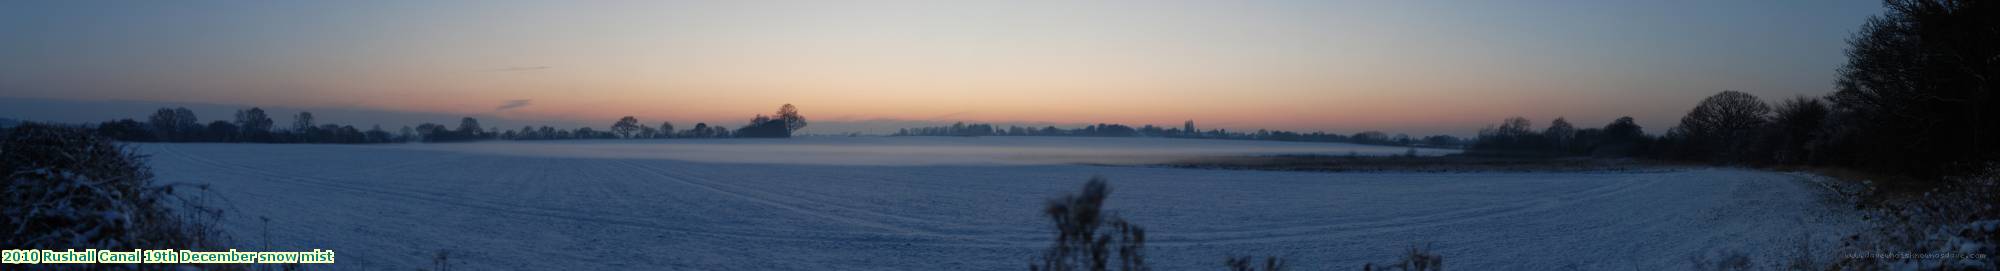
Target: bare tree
[(469, 127), (1621, 137), (163, 124), (790, 114), (1917, 94), (1721, 127), (255, 124), (302, 122), (1798, 121), (625, 126), (186, 125), (666, 129), (1560, 133)]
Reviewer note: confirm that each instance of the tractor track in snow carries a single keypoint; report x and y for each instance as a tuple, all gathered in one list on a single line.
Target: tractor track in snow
[(774, 200)]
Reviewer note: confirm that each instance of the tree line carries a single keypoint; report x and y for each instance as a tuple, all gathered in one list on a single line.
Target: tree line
[(255, 126), (1915, 98), (1187, 130)]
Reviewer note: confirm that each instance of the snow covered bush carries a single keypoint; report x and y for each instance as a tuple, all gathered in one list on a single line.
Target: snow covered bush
[(1079, 245), (69, 189), (1952, 227)]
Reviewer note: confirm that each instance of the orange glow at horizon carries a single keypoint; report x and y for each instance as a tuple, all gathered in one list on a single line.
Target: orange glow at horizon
[(1301, 66)]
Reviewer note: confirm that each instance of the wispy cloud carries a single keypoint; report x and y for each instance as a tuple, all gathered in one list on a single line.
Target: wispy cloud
[(520, 69), (512, 104)]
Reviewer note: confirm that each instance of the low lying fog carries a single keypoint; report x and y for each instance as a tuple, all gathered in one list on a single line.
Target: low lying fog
[(920, 150)]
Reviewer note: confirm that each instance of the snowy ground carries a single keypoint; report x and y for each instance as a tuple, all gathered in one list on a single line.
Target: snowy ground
[(922, 150), (588, 206)]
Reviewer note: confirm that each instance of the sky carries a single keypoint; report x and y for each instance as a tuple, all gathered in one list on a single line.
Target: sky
[(1419, 67)]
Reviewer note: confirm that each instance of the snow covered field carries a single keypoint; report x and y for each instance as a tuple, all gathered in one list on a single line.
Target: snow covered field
[(923, 150), (958, 203)]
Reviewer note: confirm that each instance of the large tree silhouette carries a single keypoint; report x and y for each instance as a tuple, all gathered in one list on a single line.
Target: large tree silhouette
[(469, 128), (1721, 127), (790, 115), (255, 124), (625, 126), (1797, 122), (1917, 93)]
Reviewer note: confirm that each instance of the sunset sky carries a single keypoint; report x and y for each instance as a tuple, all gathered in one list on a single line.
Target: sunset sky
[(1420, 67)]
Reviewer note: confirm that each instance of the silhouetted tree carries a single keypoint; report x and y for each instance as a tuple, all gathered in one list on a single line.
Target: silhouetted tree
[(625, 126), (1798, 122), (526, 133), (700, 130), (667, 128), (1722, 128), (1370, 137), (469, 127), (1561, 134), (406, 134), (1513, 137), (186, 124), (255, 124), (125, 130), (164, 125), (1442, 141), (345, 134), (1515, 126), (790, 115), (1621, 138), (377, 135), (303, 122), (547, 132), (223, 131), (1917, 94), (175, 124), (647, 132), (765, 127)]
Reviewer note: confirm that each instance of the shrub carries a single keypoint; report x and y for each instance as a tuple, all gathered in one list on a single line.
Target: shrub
[(1943, 229), (1079, 245), (69, 189)]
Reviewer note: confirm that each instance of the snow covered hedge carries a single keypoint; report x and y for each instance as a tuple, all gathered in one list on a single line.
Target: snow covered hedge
[(1955, 226), (69, 189)]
